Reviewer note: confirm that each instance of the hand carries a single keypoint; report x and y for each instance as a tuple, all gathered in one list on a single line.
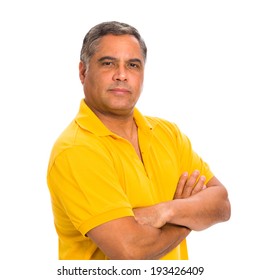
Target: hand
[(188, 186), (151, 215), (157, 214)]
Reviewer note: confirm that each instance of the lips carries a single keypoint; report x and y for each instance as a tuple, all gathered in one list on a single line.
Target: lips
[(118, 90)]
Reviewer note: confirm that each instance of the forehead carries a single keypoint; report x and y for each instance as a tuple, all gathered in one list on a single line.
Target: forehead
[(119, 46)]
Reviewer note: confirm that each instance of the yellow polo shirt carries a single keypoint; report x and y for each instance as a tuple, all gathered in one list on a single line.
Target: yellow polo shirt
[(95, 176)]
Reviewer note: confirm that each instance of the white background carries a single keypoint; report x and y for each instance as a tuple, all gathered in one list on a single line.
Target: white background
[(203, 73)]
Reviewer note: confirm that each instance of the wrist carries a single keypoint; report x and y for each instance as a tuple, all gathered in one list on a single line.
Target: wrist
[(168, 212), (171, 210)]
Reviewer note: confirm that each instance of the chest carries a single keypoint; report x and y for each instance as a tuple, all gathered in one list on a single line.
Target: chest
[(148, 173)]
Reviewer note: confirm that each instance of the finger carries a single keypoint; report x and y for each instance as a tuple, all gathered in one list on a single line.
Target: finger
[(187, 191), (200, 185), (181, 185)]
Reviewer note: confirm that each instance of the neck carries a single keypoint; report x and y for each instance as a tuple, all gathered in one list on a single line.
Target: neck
[(122, 126)]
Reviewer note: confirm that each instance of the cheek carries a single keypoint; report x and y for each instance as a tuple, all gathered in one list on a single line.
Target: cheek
[(91, 82), (140, 80), (139, 85), (99, 80)]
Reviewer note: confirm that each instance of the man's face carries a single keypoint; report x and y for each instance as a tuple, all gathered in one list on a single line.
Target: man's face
[(113, 82)]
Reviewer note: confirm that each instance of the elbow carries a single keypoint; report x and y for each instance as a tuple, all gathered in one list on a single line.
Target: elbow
[(221, 214), (226, 211)]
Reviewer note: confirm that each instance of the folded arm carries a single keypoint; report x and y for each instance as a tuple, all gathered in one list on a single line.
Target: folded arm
[(203, 209), (195, 205), (156, 230), (125, 238)]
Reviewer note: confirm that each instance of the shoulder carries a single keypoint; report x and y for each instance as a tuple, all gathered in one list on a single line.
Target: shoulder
[(168, 131), (75, 144), (166, 126)]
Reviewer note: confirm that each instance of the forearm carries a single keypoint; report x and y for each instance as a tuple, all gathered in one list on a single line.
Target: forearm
[(158, 242), (199, 211), (125, 238)]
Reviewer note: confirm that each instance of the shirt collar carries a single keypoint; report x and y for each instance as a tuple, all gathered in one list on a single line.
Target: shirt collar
[(87, 120), (141, 121)]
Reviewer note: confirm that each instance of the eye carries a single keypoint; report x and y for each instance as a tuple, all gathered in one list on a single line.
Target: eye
[(134, 65), (107, 63)]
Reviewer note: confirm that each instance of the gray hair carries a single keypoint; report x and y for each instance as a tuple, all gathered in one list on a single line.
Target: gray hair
[(92, 38)]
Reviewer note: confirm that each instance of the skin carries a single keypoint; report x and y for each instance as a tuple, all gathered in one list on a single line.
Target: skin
[(196, 206), (112, 85), (113, 82)]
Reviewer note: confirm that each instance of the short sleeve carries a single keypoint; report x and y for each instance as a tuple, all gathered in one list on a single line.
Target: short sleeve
[(83, 181)]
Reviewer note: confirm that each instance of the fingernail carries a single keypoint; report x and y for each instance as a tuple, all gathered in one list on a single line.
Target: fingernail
[(202, 178)]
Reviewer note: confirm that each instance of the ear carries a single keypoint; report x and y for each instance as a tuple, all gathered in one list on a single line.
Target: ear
[(82, 71)]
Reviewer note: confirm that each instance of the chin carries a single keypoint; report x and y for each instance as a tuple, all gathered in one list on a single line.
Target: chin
[(122, 111)]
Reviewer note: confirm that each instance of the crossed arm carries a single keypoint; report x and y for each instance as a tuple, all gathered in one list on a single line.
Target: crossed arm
[(156, 230)]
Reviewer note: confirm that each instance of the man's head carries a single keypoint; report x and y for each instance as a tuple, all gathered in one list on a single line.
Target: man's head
[(111, 69), (92, 38)]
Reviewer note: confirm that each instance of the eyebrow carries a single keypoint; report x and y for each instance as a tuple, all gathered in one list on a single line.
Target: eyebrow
[(115, 59), (106, 58)]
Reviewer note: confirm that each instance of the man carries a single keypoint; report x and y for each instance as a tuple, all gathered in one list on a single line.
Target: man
[(125, 186)]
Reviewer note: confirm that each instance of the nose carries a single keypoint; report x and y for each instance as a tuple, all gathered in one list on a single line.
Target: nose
[(120, 74)]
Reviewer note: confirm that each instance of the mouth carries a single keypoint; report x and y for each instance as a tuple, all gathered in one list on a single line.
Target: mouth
[(119, 91)]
